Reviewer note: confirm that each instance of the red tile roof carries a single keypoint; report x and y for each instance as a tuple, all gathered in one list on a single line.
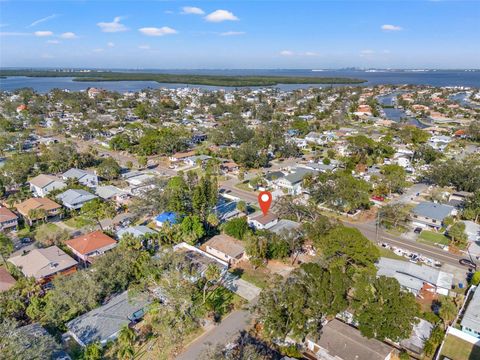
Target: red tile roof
[(6, 280), (85, 244), (6, 215)]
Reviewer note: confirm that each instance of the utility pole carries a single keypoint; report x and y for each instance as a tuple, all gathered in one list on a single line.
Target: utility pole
[(377, 226)]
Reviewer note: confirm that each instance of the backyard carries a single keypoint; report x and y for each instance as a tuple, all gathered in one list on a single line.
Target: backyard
[(458, 349)]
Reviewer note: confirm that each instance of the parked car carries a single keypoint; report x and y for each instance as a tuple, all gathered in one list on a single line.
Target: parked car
[(418, 230), (467, 262)]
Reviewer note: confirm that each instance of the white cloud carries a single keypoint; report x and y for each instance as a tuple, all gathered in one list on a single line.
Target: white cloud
[(39, 21), (98, 50), (310, 53), (69, 35), (391, 28), (114, 26), (188, 10), (110, 44), (287, 53), (154, 31), (232, 33), (7, 33), (53, 42), (221, 15), (144, 47), (43, 33), (367, 53)]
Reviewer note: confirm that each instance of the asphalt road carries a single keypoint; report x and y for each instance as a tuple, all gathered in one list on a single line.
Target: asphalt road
[(223, 333), (368, 229), (247, 196)]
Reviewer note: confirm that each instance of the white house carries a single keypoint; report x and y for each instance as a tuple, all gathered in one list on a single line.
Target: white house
[(263, 222), (42, 184)]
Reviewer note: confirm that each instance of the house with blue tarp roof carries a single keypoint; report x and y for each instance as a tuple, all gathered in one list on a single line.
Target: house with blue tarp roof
[(169, 217)]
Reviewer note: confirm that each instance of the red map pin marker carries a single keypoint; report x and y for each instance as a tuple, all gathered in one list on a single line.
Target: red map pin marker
[(265, 200)]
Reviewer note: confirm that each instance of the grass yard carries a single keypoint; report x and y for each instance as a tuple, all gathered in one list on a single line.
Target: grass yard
[(458, 349), (390, 254), (257, 277), (430, 237), (244, 186), (79, 222)]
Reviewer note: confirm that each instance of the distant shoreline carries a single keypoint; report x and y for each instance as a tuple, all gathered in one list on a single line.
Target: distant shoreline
[(209, 80)]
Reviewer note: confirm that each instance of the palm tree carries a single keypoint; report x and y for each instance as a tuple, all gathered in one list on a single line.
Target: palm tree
[(126, 338)]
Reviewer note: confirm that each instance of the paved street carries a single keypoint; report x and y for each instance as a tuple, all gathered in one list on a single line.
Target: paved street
[(248, 196), (368, 229), (226, 331)]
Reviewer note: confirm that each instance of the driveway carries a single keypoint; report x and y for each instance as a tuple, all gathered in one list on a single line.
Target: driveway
[(411, 193), (241, 287)]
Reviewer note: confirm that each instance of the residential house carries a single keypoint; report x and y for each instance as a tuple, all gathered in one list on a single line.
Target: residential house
[(458, 198), (113, 193), (471, 318), (8, 220), (84, 177), (285, 226), (421, 280), (138, 231), (44, 264), (87, 246), (226, 248), (420, 334), (229, 167), (431, 214), (74, 199), (198, 261), (139, 181), (38, 208), (104, 323), (181, 156), (440, 142), (271, 177), (167, 217), (292, 183), (339, 341), (472, 230), (42, 184), (197, 159), (6, 280), (261, 221)]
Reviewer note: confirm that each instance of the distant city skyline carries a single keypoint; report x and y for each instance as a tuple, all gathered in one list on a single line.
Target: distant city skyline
[(240, 34)]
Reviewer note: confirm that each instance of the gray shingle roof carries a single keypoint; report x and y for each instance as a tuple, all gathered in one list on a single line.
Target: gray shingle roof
[(433, 211), (471, 318), (75, 196), (345, 342), (104, 322), (136, 231), (413, 276), (76, 173)]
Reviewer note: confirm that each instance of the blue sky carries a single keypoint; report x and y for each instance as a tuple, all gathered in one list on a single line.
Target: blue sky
[(240, 34)]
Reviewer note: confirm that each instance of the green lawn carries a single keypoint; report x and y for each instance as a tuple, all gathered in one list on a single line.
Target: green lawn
[(390, 254), (257, 278), (78, 222), (244, 186), (458, 349), (431, 237)]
